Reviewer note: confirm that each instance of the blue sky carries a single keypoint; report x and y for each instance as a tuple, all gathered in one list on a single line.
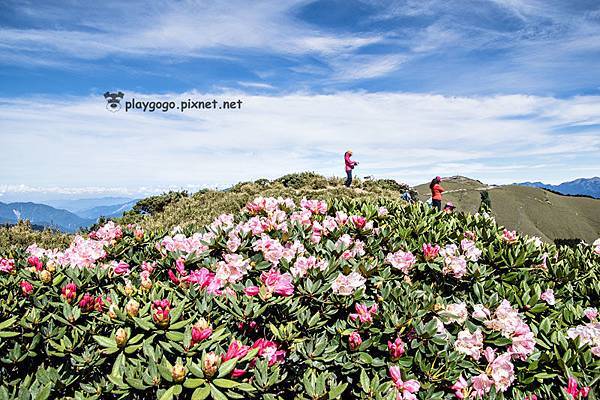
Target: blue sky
[(501, 90)]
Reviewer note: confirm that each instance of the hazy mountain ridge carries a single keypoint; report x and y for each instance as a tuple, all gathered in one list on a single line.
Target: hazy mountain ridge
[(42, 214), (580, 186)]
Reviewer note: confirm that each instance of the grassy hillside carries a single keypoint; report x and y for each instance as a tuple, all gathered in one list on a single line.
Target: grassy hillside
[(529, 210), (202, 207)]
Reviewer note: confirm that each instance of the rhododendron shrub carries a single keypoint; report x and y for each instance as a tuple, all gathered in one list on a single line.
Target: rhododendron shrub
[(303, 299)]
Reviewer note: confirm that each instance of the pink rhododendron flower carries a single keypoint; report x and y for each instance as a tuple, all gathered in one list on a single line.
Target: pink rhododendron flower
[(430, 252), (531, 397), (345, 285), (396, 348), (455, 266), (161, 309), (251, 290), (573, 389), (354, 340), (588, 334), (591, 313), (402, 260), (269, 351), (509, 236), (382, 211), (596, 246), (236, 349), (69, 292), (502, 371), (470, 250), (364, 313), (480, 312), (506, 319), (238, 373), (341, 217), (26, 288), (456, 312), (482, 384), (276, 282), (548, 297), (271, 249), (35, 262), (523, 342), (120, 268), (199, 334), (314, 206), (304, 264), (469, 343), (7, 265), (358, 221), (405, 389), (461, 388)]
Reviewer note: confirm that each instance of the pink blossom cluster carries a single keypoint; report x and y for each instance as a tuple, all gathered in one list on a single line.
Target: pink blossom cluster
[(508, 321), (273, 251), (345, 285), (268, 204), (455, 312), (304, 264), (405, 390), (351, 247), (499, 374), (455, 263), (276, 282), (548, 297), (430, 252), (509, 237), (7, 265), (232, 269), (314, 206), (402, 260), (596, 246), (197, 243), (469, 343), (108, 232), (588, 334), (364, 313)]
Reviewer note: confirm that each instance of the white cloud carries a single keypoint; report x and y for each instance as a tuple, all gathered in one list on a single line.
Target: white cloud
[(76, 142)]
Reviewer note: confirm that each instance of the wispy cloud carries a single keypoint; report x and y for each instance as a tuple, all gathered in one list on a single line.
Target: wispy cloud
[(407, 136)]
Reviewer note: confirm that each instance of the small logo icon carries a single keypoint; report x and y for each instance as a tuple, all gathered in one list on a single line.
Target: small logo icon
[(113, 101)]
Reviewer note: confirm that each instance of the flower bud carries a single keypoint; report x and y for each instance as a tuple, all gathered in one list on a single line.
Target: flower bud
[(132, 308), (26, 288), (121, 337), (111, 311), (146, 284), (354, 340), (210, 365), (51, 266), (45, 276), (129, 289), (178, 372)]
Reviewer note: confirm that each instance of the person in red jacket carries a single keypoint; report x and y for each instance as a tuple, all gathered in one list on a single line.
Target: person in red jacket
[(436, 192), (349, 167)]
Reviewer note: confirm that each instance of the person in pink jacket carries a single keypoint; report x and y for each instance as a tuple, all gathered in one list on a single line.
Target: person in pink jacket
[(349, 167)]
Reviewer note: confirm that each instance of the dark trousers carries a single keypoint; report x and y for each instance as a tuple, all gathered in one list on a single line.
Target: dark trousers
[(437, 204), (348, 178)]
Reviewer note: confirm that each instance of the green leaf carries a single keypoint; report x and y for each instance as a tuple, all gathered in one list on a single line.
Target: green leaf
[(225, 383), (105, 341), (337, 391), (8, 322), (44, 393), (365, 382), (227, 367), (216, 393), (201, 393)]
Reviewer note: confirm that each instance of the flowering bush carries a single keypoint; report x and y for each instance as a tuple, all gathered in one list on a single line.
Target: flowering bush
[(310, 299)]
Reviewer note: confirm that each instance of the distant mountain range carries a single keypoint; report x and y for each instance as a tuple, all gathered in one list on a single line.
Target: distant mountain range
[(70, 217), (582, 186)]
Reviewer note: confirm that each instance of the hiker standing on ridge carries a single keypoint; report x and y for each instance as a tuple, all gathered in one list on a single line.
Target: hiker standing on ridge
[(436, 193), (349, 167)]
